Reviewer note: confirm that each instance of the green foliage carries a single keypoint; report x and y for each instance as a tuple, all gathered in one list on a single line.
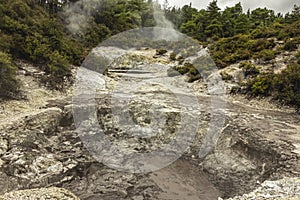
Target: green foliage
[(262, 17), (225, 76), (211, 22), (8, 82), (161, 52), (290, 30), (284, 87), (287, 85), (188, 69), (32, 34), (294, 15), (240, 47), (230, 50), (58, 70), (265, 32), (298, 56), (260, 85), (266, 55), (261, 44), (123, 15), (249, 69), (95, 34), (181, 69), (173, 56), (292, 44)]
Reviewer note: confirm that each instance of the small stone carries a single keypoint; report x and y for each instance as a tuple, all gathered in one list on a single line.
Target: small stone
[(138, 198)]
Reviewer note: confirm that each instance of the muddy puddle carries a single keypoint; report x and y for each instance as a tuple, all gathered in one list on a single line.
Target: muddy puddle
[(184, 181)]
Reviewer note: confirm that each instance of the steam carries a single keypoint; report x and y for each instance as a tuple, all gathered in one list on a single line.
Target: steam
[(78, 15), (164, 29)]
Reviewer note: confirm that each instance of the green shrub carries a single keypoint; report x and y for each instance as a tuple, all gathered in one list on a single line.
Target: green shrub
[(58, 71), (260, 85), (8, 82), (180, 60), (262, 44), (266, 55), (249, 69), (188, 69), (292, 44), (173, 56), (193, 78), (287, 85), (182, 69), (265, 32), (225, 76), (297, 55), (228, 51), (95, 34), (284, 87), (289, 31), (242, 54), (6, 42), (161, 52)]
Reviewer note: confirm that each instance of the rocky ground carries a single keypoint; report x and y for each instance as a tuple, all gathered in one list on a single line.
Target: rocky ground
[(43, 193), (283, 189), (39, 147)]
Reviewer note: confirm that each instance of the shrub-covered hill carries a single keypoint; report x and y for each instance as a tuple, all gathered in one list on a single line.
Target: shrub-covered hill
[(36, 31), (247, 39), (29, 32)]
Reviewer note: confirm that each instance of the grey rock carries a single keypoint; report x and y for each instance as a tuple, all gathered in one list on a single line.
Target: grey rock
[(39, 194)]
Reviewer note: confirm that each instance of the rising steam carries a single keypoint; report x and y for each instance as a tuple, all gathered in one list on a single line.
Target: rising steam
[(78, 15), (164, 28)]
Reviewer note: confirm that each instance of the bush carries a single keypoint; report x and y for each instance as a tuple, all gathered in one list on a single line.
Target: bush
[(262, 44), (225, 76), (298, 57), (228, 51), (265, 32), (188, 69), (266, 55), (193, 78), (182, 70), (287, 85), (161, 52), (284, 87), (95, 34), (292, 44), (290, 31), (260, 85), (173, 56), (58, 71), (249, 69), (8, 82)]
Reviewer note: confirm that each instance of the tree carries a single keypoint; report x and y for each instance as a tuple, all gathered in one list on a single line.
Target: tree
[(232, 19), (214, 24), (187, 13), (243, 24), (262, 17), (213, 11), (294, 16)]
